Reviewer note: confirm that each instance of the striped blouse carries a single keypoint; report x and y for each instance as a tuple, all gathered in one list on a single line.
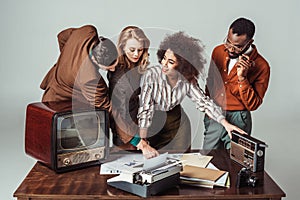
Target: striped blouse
[(157, 94)]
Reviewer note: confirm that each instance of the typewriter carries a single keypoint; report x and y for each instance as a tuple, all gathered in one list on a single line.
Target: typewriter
[(149, 181)]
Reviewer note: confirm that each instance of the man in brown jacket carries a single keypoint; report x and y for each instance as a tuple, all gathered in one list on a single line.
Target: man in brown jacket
[(75, 76), (237, 81)]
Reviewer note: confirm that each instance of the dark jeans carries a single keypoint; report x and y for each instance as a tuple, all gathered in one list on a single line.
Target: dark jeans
[(216, 136)]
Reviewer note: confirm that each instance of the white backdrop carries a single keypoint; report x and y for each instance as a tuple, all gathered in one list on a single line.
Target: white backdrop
[(29, 48)]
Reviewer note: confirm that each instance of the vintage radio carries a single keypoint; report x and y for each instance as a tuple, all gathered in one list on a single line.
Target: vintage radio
[(248, 151), (64, 136)]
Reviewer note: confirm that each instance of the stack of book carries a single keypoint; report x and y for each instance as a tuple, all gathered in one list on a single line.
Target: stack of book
[(199, 171)]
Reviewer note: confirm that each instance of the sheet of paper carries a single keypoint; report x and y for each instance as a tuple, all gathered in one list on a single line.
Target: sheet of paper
[(130, 163), (223, 180), (155, 162), (126, 163), (196, 159)]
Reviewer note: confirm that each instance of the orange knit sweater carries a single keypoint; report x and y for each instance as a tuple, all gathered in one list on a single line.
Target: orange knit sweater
[(225, 89)]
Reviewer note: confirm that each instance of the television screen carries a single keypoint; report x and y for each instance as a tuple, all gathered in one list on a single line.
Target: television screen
[(80, 130)]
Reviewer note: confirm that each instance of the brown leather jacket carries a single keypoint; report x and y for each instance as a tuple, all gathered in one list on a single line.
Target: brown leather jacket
[(124, 88)]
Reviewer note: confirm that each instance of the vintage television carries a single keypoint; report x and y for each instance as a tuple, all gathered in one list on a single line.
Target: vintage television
[(65, 135)]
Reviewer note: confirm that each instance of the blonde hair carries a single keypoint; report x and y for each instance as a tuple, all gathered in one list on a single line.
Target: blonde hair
[(138, 34)]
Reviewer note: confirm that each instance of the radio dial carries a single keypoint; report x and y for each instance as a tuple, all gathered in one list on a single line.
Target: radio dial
[(260, 153), (67, 161)]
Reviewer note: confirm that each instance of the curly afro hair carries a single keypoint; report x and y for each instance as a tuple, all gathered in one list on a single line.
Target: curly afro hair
[(189, 53)]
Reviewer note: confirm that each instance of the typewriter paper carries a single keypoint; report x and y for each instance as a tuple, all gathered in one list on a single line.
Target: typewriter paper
[(155, 162), (127, 163), (130, 163)]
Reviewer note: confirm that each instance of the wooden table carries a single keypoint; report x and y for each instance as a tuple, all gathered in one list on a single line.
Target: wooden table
[(43, 183)]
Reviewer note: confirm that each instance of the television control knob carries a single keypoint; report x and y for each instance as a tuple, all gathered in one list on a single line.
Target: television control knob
[(97, 156), (67, 161)]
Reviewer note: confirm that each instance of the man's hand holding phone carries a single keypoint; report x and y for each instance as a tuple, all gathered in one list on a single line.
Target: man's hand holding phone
[(243, 66)]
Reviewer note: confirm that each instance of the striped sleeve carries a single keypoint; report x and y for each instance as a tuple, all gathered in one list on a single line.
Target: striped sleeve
[(146, 109), (204, 103)]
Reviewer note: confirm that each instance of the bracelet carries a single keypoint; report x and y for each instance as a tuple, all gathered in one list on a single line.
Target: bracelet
[(135, 140)]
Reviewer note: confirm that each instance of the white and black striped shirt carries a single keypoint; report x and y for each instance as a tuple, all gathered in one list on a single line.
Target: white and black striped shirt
[(157, 94)]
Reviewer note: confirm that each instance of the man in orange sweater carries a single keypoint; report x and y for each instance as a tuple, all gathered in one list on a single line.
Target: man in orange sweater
[(237, 81)]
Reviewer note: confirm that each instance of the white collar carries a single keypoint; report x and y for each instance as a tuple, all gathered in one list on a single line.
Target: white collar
[(164, 78), (249, 50)]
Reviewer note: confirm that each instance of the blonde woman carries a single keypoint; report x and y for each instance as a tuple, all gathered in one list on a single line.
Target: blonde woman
[(124, 83)]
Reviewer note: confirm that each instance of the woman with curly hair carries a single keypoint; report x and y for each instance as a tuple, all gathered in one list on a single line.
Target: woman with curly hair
[(124, 84), (164, 87)]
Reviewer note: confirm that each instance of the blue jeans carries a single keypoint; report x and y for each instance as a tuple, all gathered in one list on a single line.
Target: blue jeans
[(216, 136)]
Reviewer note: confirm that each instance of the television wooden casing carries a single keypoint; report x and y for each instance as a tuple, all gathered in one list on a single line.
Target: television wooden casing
[(40, 135)]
